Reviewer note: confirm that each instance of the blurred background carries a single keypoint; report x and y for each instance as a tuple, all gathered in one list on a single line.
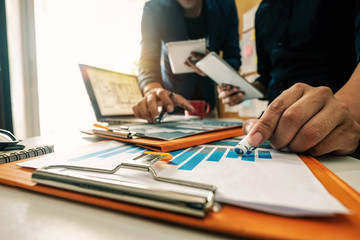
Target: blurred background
[(47, 39)]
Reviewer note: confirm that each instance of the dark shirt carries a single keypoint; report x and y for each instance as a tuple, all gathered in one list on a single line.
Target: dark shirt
[(163, 21), (311, 41), (197, 27)]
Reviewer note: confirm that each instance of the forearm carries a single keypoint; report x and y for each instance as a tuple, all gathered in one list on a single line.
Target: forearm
[(349, 93), (151, 85), (149, 64)]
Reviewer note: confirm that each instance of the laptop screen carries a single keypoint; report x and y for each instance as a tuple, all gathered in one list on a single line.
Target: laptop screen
[(112, 94)]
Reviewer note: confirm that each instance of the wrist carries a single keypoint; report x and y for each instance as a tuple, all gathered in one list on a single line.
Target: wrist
[(150, 86)]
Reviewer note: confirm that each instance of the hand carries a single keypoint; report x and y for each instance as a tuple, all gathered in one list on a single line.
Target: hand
[(306, 119), (147, 108), (192, 60), (229, 94)]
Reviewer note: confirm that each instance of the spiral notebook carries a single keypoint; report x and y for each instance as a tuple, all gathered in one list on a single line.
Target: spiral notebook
[(28, 152)]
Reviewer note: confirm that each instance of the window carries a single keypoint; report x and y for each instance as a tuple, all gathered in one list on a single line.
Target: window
[(101, 33)]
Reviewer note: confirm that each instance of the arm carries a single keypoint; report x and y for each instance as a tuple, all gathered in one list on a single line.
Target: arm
[(149, 78), (349, 94), (314, 120), (149, 64)]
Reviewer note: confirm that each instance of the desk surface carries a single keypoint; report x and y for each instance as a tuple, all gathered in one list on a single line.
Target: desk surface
[(29, 215)]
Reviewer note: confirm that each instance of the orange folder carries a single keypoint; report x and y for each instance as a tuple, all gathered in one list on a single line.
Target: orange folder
[(230, 220), (175, 144)]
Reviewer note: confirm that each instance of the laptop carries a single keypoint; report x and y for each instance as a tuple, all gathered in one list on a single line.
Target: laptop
[(112, 94)]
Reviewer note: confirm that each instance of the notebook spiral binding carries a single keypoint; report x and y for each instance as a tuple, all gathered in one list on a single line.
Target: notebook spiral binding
[(32, 152)]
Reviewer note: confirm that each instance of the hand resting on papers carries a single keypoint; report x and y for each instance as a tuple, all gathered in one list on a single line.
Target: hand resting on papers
[(156, 95), (307, 119)]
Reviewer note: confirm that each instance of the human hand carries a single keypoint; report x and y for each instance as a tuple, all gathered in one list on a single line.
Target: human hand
[(229, 94), (147, 107), (192, 60), (306, 119)]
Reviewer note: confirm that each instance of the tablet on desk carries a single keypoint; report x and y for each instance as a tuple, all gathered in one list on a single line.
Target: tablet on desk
[(179, 51), (222, 73)]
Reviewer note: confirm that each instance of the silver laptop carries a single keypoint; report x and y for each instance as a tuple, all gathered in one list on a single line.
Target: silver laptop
[(112, 94)]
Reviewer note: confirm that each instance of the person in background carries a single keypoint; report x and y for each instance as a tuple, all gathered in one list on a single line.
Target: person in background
[(308, 61), (177, 20)]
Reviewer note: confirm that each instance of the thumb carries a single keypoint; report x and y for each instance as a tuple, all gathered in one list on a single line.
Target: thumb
[(255, 138)]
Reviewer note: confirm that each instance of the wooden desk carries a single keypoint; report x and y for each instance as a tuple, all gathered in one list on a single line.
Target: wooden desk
[(30, 215)]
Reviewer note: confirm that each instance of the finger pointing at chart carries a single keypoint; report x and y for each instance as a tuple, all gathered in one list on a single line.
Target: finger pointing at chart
[(301, 119)]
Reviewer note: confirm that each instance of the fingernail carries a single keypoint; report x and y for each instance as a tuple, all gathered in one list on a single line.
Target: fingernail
[(255, 139), (248, 127)]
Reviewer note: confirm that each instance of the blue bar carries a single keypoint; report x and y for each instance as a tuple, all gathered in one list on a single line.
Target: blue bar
[(116, 152), (193, 162), (90, 155), (232, 154), (248, 157), (266, 144), (174, 153), (180, 159), (217, 155), (137, 150), (264, 154), (223, 143)]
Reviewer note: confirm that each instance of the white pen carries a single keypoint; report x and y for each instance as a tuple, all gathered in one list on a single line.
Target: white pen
[(244, 147)]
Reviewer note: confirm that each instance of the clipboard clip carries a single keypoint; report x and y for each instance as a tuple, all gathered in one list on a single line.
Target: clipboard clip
[(121, 131), (190, 204)]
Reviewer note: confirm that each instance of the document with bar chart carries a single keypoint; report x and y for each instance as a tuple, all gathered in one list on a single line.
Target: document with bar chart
[(265, 180)]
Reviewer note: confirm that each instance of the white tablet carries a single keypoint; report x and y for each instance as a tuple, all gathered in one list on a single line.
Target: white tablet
[(222, 73), (179, 51)]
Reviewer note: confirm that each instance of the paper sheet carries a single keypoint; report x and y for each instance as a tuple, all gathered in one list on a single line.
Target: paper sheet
[(267, 180)]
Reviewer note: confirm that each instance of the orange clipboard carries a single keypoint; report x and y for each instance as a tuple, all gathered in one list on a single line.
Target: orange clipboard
[(230, 220), (175, 144)]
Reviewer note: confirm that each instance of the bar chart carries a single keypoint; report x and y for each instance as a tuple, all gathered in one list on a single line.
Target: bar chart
[(184, 159), (189, 159), (123, 150)]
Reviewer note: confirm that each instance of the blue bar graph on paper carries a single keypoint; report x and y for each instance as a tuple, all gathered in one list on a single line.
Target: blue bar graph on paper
[(266, 144), (94, 154), (232, 154), (264, 154), (223, 143), (177, 152), (181, 158), (194, 161), (116, 152), (137, 150), (248, 157), (217, 155)]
